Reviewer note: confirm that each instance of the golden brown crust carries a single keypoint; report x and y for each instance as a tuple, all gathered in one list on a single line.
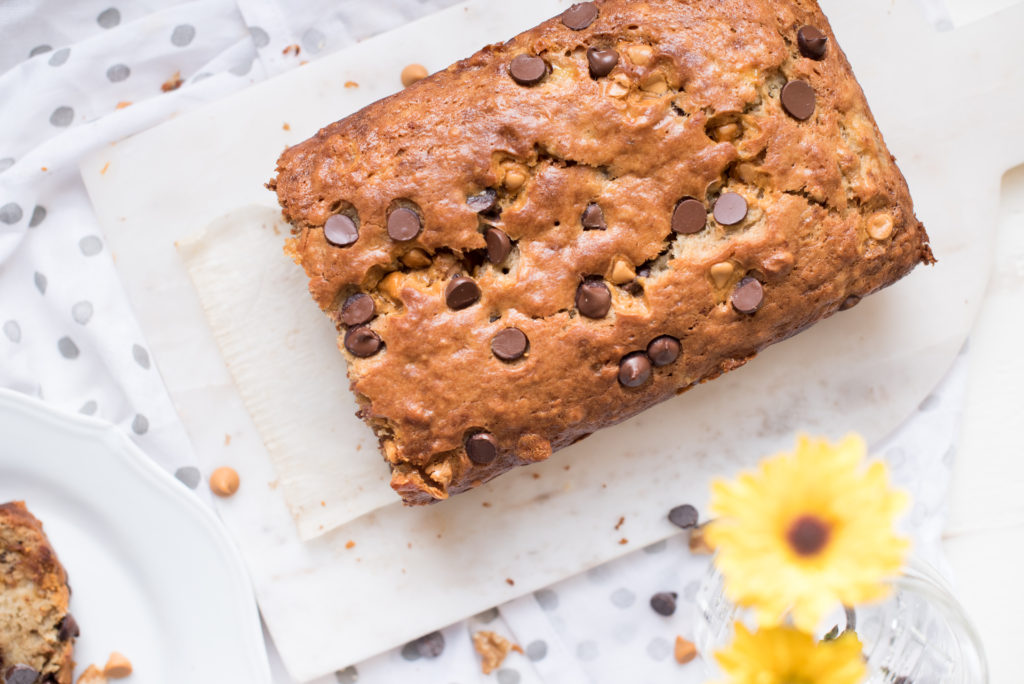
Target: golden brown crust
[(691, 110)]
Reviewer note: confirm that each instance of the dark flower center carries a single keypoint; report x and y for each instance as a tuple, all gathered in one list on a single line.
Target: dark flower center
[(808, 535)]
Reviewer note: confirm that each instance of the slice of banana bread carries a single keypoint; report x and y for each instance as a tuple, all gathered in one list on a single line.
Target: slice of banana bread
[(37, 633), (567, 228)]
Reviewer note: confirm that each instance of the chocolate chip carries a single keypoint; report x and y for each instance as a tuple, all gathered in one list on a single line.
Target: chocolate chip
[(21, 674), (527, 70), (482, 448), (689, 217), (483, 202), (499, 246), (593, 218), (362, 342), (664, 602), (430, 645), (404, 224), (634, 369), (341, 230), (593, 299), (601, 61), (68, 628), (730, 209), (684, 516), (510, 344), (461, 292), (849, 302), (664, 350), (580, 16), (357, 309), (813, 43), (748, 295), (798, 99)]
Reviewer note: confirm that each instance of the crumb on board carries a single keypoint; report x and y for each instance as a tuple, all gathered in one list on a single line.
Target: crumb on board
[(493, 649), (510, 582), (351, 84), (623, 541), (567, 467), (286, 126), (685, 651), (350, 544), (622, 519), (227, 440), (104, 169), (122, 104), (536, 476), (292, 49), (486, 504), (173, 83)]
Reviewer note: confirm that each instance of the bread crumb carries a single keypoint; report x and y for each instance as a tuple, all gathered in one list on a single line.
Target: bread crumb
[(173, 83), (92, 675), (351, 84), (486, 504), (622, 519), (510, 582), (227, 440), (122, 104), (104, 169), (44, 168), (350, 544), (286, 126), (292, 49), (623, 541), (118, 666), (493, 649), (685, 651), (536, 476), (699, 543)]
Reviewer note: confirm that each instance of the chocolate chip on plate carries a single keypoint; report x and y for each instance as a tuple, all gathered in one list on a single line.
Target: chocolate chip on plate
[(580, 16), (748, 295), (528, 70), (730, 208), (593, 299), (483, 202), (798, 99), (482, 448), (663, 350), (510, 344), (601, 61), (684, 516), (461, 292), (404, 224), (690, 216), (499, 246), (341, 230), (634, 369), (21, 674), (664, 602), (357, 309), (593, 218), (362, 342), (813, 43), (68, 628)]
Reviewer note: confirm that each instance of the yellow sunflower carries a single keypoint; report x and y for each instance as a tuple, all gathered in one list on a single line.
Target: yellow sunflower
[(783, 655), (807, 531)]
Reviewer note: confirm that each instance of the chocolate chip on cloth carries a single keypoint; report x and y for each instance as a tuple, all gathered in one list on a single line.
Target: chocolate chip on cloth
[(404, 224), (664, 602), (357, 309), (362, 342), (813, 43), (499, 246), (601, 61), (341, 231), (593, 299), (634, 370), (510, 344), (593, 218), (528, 70), (580, 16), (461, 292)]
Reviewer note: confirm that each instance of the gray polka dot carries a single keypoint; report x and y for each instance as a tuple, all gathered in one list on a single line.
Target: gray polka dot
[(6, 163), (189, 475), (38, 216), (624, 633), (67, 348), (313, 41), (89, 408), (547, 599), (659, 648), (82, 312), (410, 652), (347, 676), (536, 650), (201, 76), (62, 116), (40, 281), (487, 616), (599, 574), (244, 67), (13, 331), (183, 35), (60, 56), (507, 676), (140, 355), (623, 598), (587, 650), (690, 591), (38, 50), (90, 245), (930, 403), (109, 18), (656, 547), (118, 73), (259, 37), (140, 424), (10, 213)]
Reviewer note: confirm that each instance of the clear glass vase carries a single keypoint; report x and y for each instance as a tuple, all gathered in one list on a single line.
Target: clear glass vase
[(918, 635)]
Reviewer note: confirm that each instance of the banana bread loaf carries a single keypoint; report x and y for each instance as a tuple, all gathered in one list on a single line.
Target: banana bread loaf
[(37, 633), (565, 229)]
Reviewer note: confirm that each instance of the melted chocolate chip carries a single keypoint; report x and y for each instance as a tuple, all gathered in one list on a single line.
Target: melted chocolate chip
[(357, 309), (362, 342), (461, 292), (499, 246), (528, 70), (601, 61), (341, 231), (634, 370), (593, 218), (482, 448), (664, 350), (748, 295), (813, 43), (483, 202), (684, 516), (593, 299), (510, 344), (21, 674), (580, 16), (730, 209), (849, 302), (404, 224), (689, 217), (798, 99), (664, 603), (68, 628)]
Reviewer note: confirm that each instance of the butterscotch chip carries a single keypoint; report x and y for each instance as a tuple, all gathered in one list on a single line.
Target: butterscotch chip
[(118, 665), (416, 258), (493, 649), (514, 179), (685, 651), (622, 272), (880, 226), (721, 273), (727, 132), (223, 482), (655, 84), (413, 73), (92, 675), (640, 55), (699, 542)]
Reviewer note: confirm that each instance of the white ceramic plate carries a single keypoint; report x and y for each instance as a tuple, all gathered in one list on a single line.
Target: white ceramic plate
[(153, 573)]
